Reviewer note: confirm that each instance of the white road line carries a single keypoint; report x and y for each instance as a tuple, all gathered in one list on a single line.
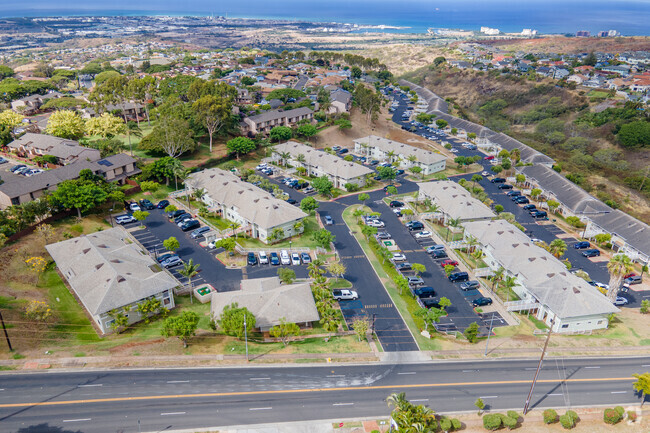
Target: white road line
[(422, 399), (408, 372), (490, 396), (593, 367), (94, 384), (342, 404), (77, 420), (178, 381), (469, 371), (336, 375), (554, 394), (618, 392), (260, 378), (172, 413), (260, 408), (644, 365), (530, 368)]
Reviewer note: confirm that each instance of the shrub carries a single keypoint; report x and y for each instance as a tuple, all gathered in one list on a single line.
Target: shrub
[(351, 187), (513, 414), (550, 416), (493, 421), (455, 423), (611, 416), (567, 421), (445, 424), (631, 415), (509, 422), (575, 221), (77, 228), (620, 411)]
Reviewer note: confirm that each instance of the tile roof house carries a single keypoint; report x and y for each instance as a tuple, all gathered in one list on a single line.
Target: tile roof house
[(544, 284), (454, 201), (340, 101), (257, 211), (65, 151), (264, 122), (18, 189), (379, 148), (108, 272), (31, 103), (269, 300), (320, 163)]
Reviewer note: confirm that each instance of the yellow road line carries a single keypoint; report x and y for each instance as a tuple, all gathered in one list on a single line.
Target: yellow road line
[(294, 391)]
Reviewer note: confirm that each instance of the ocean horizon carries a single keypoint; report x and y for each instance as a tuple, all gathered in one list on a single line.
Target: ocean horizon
[(629, 17)]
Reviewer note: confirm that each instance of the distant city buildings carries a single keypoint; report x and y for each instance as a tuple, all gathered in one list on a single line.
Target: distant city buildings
[(608, 34), (490, 31), (529, 32), (583, 34)]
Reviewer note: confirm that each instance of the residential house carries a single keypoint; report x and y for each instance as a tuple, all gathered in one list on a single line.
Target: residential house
[(110, 273), (622, 70), (257, 211), (559, 73), (270, 301), (544, 285), (407, 156), (629, 235), (340, 101), (454, 201), (320, 163), (544, 71), (264, 122), (18, 189), (32, 103), (576, 78), (66, 151), (131, 110)]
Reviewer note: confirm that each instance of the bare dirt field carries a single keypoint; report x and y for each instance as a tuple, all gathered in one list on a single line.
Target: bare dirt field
[(562, 44)]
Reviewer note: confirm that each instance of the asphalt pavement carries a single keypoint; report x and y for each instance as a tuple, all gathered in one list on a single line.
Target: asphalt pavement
[(168, 399)]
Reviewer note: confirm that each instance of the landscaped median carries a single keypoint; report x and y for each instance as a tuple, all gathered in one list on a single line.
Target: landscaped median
[(405, 303)]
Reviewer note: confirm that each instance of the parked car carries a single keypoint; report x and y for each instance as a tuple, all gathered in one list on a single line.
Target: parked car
[(182, 217), (437, 247), (416, 226), (489, 158), (342, 151), (200, 232), (190, 225), (593, 252), (213, 243), (399, 172), (183, 220), (398, 257), (173, 214), (32, 172), (375, 223), (291, 201), (513, 193), (581, 245), (161, 258), (521, 200), (133, 207), (125, 219), (251, 259), (345, 295), (146, 204), (171, 262), (620, 301), (306, 258), (482, 301), (15, 168), (162, 204), (530, 207), (539, 214), (295, 259), (632, 280), (458, 277), (423, 292), (396, 203), (631, 274), (308, 190), (428, 302), (404, 267), (383, 235), (328, 220), (264, 259), (3, 161), (284, 257), (504, 186), (439, 254), (415, 281), (423, 234), (275, 260), (448, 262), (469, 285), (498, 180)]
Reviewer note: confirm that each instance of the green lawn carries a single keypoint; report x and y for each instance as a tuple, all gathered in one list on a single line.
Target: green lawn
[(218, 222), (303, 241), (404, 302), (340, 283), (471, 261), (337, 344), (446, 234)]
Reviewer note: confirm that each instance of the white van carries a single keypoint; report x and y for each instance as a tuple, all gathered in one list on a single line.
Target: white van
[(264, 259), (284, 257)]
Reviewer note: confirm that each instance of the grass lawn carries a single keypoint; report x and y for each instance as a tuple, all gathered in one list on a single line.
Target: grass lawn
[(336, 344), (340, 283), (218, 222), (471, 261), (303, 241), (404, 302), (447, 234)]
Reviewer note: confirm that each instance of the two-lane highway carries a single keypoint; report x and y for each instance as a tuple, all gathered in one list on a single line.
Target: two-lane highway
[(157, 399)]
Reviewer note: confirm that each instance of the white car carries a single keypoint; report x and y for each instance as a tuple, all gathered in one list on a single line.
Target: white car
[(264, 259), (211, 243), (398, 257), (601, 285), (345, 295), (183, 221), (453, 150), (423, 234), (134, 207), (485, 174), (284, 257), (295, 259), (125, 219), (376, 223)]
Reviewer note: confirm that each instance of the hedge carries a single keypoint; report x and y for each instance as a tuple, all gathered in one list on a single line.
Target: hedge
[(550, 416)]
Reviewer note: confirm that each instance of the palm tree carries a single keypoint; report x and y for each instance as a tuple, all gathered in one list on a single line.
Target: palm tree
[(234, 226), (285, 157), (412, 159), (557, 248), (398, 401), (617, 266), (314, 268), (471, 242), (189, 271), (508, 283), (390, 156), (498, 276), (198, 193), (132, 129)]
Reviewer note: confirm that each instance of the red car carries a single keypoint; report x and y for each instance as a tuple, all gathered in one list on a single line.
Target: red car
[(448, 262), (629, 275), (489, 158)]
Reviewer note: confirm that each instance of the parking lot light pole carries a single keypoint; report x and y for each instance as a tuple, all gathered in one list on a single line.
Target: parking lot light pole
[(487, 343), (246, 336), (289, 247)]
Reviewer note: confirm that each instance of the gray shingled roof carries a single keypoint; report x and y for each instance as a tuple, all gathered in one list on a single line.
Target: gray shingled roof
[(59, 147), (107, 270), (434, 102), (454, 200), (569, 194), (330, 164), (252, 203), (277, 114), (455, 122), (269, 301), (528, 154), (423, 156), (635, 232)]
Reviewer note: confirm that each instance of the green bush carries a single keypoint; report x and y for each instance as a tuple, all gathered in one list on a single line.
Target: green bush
[(455, 423), (567, 422), (77, 228), (445, 424), (611, 416), (631, 415), (509, 422), (493, 421), (513, 414), (550, 416), (620, 410)]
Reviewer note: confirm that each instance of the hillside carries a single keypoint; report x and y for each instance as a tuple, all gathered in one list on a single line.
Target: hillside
[(559, 122), (570, 45)]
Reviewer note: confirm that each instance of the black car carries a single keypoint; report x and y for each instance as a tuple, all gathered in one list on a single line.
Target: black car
[(176, 213), (374, 162), (252, 259), (530, 207), (416, 226), (291, 201), (513, 193), (162, 204), (591, 253), (439, 254), (383, 235), (161, 258), (581, 245), (498, 180), (482, 301), (458, 277), (399, 172), (504, 186), (182, 217), (396, 203), (190, 225), (428, 302), (343, 151), (423, 292), (539, 214), (521, 200), (146, 204)]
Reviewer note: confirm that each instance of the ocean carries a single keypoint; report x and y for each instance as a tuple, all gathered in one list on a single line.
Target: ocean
[(629, 17)]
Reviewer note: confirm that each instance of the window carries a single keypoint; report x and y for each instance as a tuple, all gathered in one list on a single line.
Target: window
[(565, 326), (167, 301), (600, 322)]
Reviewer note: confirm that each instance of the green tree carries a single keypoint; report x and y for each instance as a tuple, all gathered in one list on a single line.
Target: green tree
[(309, 204), (240, 145), (557, 247), (141, 215), (172, 136), (307, 130), (149, 186), (78, 194), (419, 268), (441, 123), (391, 190), (149, 308), (363, 197), (120, 319), (5, 72), (496, 169), (171, 244), (280, 133), (227, 244), (618, 266), (232, 320), (11, 120), (323, 238), (449, 269), (285, 94), (471, 332), (635, 134), (323, 185), (106, 126), (189, 271), (287, 276), (213, 112), (360, 327), (415, 169), (480, 405), (65, 124), (387, 173), (498, 208), (337, 269), (183, 326), (284, 331), (355, 72), (645, 304)]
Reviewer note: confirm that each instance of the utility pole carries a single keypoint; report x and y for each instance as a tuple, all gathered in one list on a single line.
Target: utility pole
[(489, 333), (4, 328), (539, 367), (374, 316), (246, 336)]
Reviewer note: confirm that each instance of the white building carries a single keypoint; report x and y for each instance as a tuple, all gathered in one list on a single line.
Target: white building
[(407, 156), (454, 201)]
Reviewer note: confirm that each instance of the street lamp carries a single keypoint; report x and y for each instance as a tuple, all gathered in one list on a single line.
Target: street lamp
[(289, 246)]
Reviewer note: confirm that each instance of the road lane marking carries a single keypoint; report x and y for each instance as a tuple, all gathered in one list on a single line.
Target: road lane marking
[(592, 367), (554, 394), (172, 413), (618, 392), (490, 396), (260, 378), (469, 371), (644, 365), (96, 384), (77, 420), (336, 375), (342, 404), (312, 390), (421, 399), (260, 408), (178, 381), (408, 372)]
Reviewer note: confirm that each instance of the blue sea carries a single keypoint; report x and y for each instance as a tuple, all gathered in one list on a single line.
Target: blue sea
[(630, 17)]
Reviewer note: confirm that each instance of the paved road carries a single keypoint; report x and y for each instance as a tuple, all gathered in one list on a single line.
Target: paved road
[(167, 399)]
